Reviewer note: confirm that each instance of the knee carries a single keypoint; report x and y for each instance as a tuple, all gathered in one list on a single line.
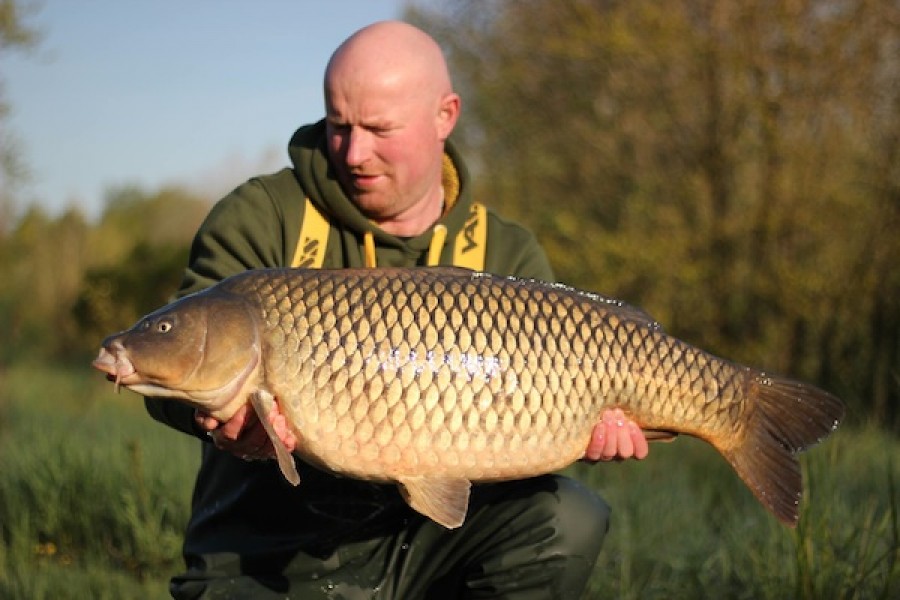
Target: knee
[(575, 521), (582, 519), (542, 535)]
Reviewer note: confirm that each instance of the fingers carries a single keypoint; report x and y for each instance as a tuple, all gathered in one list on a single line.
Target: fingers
[(205, 422), (242, 435), (639, 441), (616, 437), (279, 422)]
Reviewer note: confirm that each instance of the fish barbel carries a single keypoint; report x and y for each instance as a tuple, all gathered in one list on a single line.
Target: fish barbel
[(434, 378)]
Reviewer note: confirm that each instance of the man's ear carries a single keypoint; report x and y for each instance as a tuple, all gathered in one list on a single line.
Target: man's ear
[(448, 114)]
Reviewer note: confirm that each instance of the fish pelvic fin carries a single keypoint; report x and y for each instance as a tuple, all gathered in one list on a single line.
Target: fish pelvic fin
[(262, 403), (659, 435), (784, 417), (444, 500)]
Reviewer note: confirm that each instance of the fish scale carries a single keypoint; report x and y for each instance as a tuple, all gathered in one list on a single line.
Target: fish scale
[(457, 328), (434, 378)]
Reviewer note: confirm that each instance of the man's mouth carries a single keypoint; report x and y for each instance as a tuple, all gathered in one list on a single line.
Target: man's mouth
[(364, 180)]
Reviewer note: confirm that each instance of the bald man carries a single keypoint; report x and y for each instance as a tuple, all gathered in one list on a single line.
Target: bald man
[(381, 174)]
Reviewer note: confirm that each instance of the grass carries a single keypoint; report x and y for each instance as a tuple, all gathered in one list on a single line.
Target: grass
[(94, 496), (685, 527)]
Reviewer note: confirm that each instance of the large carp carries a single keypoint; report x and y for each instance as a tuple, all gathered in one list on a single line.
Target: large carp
[(434, 378)]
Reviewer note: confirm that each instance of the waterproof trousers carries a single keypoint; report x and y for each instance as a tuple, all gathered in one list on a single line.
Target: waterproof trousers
[(532, 539)]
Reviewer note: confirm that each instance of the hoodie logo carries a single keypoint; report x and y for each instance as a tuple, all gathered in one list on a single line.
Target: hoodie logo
[(471, 242), (469, 230), (309, 252), (313, 237)]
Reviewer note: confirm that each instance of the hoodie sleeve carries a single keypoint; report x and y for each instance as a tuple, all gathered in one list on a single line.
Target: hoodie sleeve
[(244, 230)]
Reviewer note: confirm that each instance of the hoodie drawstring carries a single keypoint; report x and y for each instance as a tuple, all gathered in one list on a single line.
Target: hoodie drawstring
[(437, 244), (369, 250)]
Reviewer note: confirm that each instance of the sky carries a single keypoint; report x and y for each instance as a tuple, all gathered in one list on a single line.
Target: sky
[(198, 93)]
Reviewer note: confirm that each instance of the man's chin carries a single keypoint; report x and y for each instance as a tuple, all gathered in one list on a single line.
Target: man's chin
[(372, 204)]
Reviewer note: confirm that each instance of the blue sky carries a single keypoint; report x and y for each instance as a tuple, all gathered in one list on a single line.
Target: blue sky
[(201, 93)]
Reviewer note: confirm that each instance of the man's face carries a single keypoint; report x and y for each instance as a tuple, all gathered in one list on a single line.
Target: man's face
[(385, 142)]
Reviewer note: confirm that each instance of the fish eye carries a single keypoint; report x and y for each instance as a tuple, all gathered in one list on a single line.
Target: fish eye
[(164, 326)]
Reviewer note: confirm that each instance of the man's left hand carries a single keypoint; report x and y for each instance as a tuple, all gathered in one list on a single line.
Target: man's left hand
[(616, 437)]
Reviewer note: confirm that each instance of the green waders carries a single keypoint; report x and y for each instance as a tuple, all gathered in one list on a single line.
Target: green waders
[(536, 538)]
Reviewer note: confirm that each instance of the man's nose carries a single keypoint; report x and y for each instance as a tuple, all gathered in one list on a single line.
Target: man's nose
[(359, 146)]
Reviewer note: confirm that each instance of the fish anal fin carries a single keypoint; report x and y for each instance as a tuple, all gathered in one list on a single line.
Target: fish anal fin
[(784, 417), (263, 403), (444, 500)]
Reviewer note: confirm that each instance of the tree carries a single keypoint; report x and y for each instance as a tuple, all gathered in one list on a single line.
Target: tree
[(730, 166), (15, 34), (68, 283)]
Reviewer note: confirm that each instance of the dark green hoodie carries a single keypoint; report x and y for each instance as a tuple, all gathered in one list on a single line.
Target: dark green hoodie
[(245, 513)]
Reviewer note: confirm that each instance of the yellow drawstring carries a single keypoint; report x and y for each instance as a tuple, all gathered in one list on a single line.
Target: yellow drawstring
[(437, 244), (369, 250)]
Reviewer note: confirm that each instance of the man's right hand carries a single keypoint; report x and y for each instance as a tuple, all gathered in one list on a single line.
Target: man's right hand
[(244, 436)]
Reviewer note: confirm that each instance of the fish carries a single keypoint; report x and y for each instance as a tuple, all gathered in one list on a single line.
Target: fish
[(438, 378)]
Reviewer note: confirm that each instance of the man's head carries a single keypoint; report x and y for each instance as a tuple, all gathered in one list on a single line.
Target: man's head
[(390, 107)]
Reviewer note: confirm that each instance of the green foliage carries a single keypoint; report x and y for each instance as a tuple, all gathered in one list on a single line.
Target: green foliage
[(114, 297), (69, 283), (14, 29), (16, 33), (42, 263), (95, 494), (685, 527), (731, 167)]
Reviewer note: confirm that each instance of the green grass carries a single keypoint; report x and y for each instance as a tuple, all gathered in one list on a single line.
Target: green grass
[(94, 496), (93, 493), (684, 526)]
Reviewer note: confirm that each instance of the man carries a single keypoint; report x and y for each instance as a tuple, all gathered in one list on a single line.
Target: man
[(382, 173)]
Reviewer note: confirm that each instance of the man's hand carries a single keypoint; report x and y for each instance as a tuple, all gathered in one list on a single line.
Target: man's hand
[(244, 436), (616, 437)]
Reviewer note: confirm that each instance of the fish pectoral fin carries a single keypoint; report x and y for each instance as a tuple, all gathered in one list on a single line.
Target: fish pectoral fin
[(263, 402), (444, 500), (659, 435)]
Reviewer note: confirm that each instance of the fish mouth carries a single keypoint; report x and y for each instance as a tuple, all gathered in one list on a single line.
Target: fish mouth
[(116, 365)]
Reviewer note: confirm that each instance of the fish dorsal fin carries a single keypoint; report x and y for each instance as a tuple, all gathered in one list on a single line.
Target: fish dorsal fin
[(263, 402), (444, 500)]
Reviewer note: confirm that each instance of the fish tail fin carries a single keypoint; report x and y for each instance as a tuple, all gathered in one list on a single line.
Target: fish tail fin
[(784, 417)]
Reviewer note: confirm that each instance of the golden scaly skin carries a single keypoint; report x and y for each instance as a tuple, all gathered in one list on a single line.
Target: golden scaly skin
[(475, 377), (437, 377)]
